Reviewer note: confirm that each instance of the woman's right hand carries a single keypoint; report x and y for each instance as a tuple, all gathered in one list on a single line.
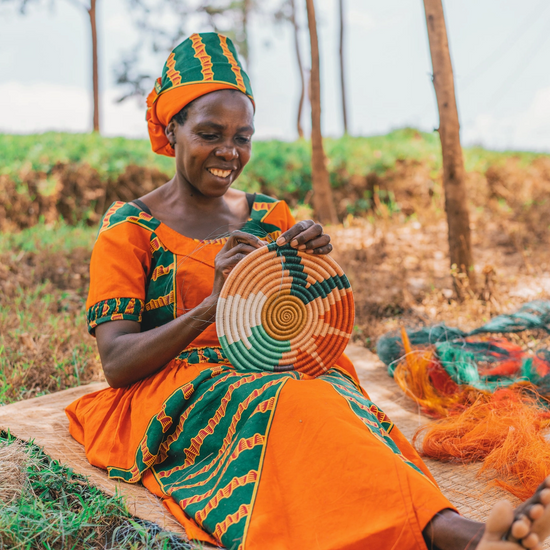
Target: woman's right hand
[(239, 245)]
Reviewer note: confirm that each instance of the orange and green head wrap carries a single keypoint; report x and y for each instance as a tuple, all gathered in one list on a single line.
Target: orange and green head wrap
[(203, 63)]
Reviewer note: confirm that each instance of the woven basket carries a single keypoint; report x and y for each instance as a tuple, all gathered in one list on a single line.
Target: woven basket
[(283, 310)]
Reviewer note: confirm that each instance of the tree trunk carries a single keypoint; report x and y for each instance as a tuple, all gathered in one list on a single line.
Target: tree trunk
[(300, 69), (323, 203), (342, 71), (246, 6), (454, 184), (95, 69)]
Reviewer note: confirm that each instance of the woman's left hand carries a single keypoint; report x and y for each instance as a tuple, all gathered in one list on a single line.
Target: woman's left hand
[(307, 236)]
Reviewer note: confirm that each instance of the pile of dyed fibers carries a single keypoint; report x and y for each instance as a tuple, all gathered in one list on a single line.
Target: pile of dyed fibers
[(490, 396)]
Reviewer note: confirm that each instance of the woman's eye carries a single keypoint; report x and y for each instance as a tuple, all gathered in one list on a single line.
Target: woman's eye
[(209, 137), (243, 140)]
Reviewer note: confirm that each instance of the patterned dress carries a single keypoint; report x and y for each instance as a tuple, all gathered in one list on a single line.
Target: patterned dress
[(246, 460)]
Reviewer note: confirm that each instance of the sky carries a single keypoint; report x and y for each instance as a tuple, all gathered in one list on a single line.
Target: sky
[(500, 51)]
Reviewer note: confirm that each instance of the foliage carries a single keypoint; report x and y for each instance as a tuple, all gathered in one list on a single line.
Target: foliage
[(58, 509), (77, 176), (109, 156), (270, 161)]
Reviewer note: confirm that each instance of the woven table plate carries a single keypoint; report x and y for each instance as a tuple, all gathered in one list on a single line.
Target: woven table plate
[(282, 310)]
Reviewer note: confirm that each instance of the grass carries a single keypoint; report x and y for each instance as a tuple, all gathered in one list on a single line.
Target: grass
[(44, 345), (46, 505), (272, 161), (392, 246), (56, 237)]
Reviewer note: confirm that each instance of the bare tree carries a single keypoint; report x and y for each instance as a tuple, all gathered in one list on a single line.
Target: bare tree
[(287, 13), (323, 203), (454, 184), (342, 71), (90, 7)]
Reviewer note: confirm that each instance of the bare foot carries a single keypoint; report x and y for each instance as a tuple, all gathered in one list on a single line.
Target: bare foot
[(499, 523), (506, 528), (536, 511)]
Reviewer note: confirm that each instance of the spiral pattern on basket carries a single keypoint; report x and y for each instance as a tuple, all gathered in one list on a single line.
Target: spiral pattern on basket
[(282, 310)]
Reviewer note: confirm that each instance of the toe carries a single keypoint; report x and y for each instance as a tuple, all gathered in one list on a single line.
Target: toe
[(536, 511), (544, 496), (520, 527), (499, 521), (531, 541)]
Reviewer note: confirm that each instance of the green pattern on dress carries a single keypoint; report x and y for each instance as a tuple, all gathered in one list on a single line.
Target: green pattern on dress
[(195, 356), (115, 309), (371, 416), (205, 447), (160, 305)]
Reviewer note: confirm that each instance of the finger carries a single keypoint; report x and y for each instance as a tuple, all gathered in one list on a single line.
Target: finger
[(240, 248), (243, 237), (228, 265), (289, 235), (309, 234), (319, 242), (323, 250)]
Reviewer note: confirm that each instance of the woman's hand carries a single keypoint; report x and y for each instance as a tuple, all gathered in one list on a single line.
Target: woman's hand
[(235, 249), (307, 236)]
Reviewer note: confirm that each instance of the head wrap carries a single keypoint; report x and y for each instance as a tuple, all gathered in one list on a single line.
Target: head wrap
[(203, 63)]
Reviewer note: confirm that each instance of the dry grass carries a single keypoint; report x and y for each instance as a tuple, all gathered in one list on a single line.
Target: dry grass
[(398, 263), (13, 465), (44, 345)]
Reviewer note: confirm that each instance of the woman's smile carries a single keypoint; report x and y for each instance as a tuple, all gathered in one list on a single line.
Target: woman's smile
[(220, 173)]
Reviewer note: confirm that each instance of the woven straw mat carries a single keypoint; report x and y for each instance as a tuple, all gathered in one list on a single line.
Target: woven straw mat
[(43, 420)]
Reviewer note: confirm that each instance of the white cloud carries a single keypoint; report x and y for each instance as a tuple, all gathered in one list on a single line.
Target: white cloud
[(361, 19), (529, 130), (42, 107)]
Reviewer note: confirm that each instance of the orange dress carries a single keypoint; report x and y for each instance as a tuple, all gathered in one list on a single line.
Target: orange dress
[(247, 460)]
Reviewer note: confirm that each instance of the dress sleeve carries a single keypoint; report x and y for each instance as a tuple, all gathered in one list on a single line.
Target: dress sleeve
[(121, 260), (288, 219)]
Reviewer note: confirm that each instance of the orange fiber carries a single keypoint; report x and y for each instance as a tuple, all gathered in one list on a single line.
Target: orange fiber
[(416, 374), (504, 430)]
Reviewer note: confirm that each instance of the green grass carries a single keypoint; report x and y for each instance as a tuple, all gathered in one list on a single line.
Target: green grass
[(274, 164), (109, 156), (59, 237), (58, 509)]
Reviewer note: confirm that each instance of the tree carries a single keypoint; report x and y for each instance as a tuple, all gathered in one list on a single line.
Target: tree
[(342, 71), (90, 7), (454, 184), (287, 13), (323, 203)]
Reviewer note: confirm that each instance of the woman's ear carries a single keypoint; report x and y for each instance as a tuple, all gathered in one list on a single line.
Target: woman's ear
[(170, 132)]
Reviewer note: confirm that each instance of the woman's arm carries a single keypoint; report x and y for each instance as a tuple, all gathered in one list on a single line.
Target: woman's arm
[(128, 355)]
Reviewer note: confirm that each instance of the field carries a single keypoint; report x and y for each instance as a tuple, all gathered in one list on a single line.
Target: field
[(391, 240)]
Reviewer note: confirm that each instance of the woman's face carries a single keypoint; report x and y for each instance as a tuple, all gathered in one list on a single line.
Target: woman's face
[(214, 144)]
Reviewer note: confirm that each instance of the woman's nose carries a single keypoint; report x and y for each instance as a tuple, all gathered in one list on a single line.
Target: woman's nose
[(227, 152)]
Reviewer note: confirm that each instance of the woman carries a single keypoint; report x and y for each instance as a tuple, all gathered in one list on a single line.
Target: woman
[(246, 460)]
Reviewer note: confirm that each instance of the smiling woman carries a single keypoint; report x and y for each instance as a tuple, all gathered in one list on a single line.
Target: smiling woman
[(246, 458)]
